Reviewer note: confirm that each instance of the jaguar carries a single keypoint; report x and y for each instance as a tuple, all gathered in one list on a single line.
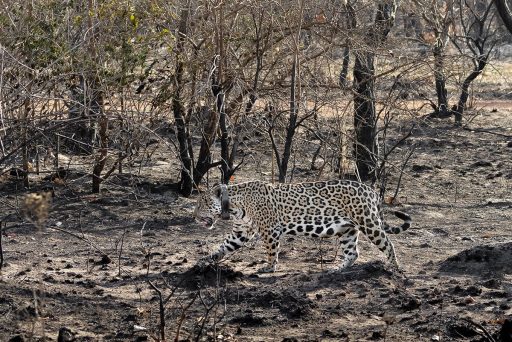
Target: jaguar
[(323, 209)]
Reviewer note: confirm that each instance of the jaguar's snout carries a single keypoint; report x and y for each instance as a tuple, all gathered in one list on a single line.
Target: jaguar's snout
[(207, 222)]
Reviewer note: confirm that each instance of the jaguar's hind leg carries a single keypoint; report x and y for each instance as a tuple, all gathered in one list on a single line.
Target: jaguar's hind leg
[(348, 246), (379, 238)]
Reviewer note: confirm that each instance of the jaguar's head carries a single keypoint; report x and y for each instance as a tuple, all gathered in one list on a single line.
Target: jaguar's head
[(212, 205)]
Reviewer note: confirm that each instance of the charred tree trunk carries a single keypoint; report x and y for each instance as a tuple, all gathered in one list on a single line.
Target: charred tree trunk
[(94, 107), (464, 95), (344, 67), (365, 120), (219, 90), (479, 41), (292, 124), (224, 138), (504, 8), (25, 119), (1, 246), (351, 23), (204, 160), (101, 158), (440, 81), (186, 177)]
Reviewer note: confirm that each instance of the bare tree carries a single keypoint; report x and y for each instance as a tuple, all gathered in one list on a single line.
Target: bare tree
[(178, 108), (365, 118), (479, 38), (439, 19)]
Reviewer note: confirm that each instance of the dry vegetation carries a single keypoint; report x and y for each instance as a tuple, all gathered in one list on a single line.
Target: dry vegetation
[(112, 112)]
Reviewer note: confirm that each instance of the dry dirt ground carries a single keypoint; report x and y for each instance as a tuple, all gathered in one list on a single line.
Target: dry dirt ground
[(90, 271)]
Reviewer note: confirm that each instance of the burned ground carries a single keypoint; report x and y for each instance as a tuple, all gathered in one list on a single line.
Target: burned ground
[(96, 265)]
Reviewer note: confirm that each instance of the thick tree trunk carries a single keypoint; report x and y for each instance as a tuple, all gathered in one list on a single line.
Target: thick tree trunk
[(464, 95), (186, 178), (440, 80), (292, 124), (224, 138), (351, 23), (365, 120), (79, 107), (219, 90), (185, 183), (204, 158)]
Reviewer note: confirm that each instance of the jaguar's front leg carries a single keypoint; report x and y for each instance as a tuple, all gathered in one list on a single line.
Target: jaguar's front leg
[(271, 241), (236, 239)]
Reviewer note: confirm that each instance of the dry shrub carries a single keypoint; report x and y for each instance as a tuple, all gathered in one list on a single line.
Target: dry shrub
[(36, 207)]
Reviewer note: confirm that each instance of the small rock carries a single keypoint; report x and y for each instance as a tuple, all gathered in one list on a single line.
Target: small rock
[(377, 335), (130, 318), (17, 338), (421, 168), (436, 338), (504, 306), (105, 259), (468, 300), (413, 304), (492, 283), (482, 163), (331, 334), (137, 328), (65, 335), (494, 175), (48, 278)]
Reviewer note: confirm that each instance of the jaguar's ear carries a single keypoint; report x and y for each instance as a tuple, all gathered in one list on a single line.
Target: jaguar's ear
[(224, 202)]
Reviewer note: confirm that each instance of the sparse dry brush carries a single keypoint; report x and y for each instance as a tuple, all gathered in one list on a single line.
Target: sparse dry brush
[(197, 78), (159, 96)]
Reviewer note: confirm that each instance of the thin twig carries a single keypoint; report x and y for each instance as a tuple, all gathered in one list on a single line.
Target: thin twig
[(480, 130), (183, 315), (206, 314), (479, 326), (120, 253), (1, 246), (162, 310), (79, 238), (402, 172)]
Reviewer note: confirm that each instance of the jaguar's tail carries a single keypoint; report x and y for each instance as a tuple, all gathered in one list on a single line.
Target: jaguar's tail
[(397, 230)]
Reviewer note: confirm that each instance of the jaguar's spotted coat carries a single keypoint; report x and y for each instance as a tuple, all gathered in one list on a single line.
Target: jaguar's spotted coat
[(338, 208)]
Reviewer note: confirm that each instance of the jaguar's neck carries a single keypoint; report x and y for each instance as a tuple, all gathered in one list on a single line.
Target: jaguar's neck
[(244, 195)]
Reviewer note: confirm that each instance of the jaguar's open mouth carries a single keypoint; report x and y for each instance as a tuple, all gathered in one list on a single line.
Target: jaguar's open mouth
[(207, 222)]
